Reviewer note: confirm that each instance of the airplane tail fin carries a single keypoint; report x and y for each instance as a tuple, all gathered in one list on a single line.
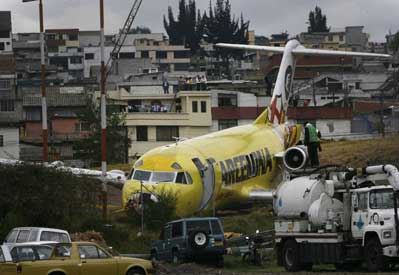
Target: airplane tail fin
[(277, 110)]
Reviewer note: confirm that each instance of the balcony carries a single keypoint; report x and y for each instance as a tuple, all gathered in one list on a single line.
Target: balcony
[(157, 118)]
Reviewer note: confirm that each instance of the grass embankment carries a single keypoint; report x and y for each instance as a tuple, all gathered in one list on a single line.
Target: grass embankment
[(362, 152)]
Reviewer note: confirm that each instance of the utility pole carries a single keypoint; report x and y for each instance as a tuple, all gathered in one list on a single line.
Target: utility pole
[(103, 119), (43, 87), (43, 83)]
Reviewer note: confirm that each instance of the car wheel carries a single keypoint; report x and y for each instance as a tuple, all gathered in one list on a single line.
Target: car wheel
[(199, 240), (373, 255), (290, 256), (220, 261), (135, 271), (175, 257), (154, 256)]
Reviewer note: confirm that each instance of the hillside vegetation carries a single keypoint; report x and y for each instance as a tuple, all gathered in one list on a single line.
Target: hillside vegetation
[(362, 152)]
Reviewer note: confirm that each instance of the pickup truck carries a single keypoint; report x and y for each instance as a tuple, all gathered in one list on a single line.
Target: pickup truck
[(78, 258)]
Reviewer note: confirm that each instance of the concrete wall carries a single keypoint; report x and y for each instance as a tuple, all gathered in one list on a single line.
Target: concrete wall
[(11, 148)]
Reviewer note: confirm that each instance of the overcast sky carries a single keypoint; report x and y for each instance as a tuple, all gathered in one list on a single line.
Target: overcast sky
[(266, 16)]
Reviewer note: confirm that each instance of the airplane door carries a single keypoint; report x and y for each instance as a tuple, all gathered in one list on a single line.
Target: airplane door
[(207, 173)]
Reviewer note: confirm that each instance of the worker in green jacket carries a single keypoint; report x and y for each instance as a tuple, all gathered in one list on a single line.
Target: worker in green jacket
[(312, 141)]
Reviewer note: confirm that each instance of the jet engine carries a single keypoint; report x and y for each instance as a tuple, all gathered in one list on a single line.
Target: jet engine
[(295, 157)]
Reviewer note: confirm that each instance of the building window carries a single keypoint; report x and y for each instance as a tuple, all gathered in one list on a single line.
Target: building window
[(341, 37), (227, 100), (1, 141), (141, 133), (330, 37), (89, 56), (33, 115), (4, 34), (203, 106), (7, 105), (2, 46), (195, 106), (73, 37), (76, 60), (162, 55), (145, 54), (227, 123), (167, 133), (128, 55), (182, 66), (182, 54), (5, 84)]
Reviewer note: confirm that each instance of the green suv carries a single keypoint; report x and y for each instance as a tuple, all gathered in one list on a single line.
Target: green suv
[(190, 239)]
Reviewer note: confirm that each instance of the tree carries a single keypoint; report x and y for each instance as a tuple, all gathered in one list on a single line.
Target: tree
[(140, 30), (317, 21), (393, 44), (89, 148), (186, 30), (222, 27), (219, 25)]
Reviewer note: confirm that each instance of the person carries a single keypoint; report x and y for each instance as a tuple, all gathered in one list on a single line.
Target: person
[(165, 86), (312, 142), (197, 82), (204, 83)]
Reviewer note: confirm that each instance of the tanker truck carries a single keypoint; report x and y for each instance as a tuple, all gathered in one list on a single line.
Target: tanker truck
[(336, 215)]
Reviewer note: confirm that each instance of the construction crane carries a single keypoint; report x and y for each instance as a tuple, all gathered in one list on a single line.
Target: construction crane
[(123, 34)]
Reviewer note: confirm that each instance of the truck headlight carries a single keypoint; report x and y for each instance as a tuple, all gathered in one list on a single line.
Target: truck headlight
[(375, 218), (387, 234)]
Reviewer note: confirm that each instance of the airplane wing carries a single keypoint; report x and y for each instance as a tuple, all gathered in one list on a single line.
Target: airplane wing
[(114, 176), (301, 50), (251, 47)]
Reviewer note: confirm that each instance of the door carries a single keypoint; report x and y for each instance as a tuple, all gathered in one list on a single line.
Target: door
[(207, 173), (359, 214), (94, 260), (6, 267)]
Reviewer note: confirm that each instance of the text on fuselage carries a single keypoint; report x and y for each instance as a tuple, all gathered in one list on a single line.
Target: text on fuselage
[(244, 167)]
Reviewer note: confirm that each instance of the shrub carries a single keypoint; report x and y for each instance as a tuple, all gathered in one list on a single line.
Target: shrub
[(32, 195)]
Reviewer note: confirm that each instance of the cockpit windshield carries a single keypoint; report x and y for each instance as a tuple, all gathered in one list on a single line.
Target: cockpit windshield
[(162, 176), (381, 199)]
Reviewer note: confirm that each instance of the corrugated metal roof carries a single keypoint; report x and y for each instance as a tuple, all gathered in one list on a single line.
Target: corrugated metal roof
[(56, 97), (5, 21)]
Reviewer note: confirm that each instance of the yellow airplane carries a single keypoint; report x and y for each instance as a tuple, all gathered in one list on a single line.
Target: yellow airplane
[(226, 168)]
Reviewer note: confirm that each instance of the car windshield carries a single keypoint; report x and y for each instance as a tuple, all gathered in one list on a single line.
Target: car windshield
[(381, 199)]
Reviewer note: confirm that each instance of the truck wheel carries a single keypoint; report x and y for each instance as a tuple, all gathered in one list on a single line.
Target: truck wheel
[(290, 256), (175, 257), (373, 255)]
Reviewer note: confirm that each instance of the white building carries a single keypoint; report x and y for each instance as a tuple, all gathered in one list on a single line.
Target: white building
[(9, 142)]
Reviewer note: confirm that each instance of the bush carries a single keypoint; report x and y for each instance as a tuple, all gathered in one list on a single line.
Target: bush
[(156, 214), (32, 195)]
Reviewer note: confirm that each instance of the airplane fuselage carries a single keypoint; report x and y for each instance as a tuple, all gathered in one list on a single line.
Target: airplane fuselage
[(242, 159)]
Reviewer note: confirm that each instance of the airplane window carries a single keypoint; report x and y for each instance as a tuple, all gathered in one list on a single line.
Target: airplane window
[(142, 175), (181, 178), (163, 177), (176, 165), (189, 179)]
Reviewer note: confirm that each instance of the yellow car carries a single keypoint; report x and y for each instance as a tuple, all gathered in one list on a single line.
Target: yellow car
[(78, 258)]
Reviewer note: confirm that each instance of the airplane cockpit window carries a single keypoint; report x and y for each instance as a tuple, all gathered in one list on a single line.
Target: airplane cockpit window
[(163, 176), (141, 175), (181, 178)]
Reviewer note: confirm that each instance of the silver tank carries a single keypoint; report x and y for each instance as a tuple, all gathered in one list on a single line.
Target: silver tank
[(294, 198)]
